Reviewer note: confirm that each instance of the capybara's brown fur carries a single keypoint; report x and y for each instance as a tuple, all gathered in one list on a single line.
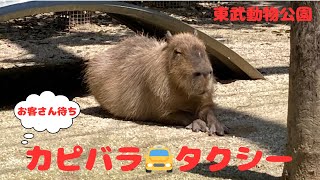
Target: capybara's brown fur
[(169, 82)]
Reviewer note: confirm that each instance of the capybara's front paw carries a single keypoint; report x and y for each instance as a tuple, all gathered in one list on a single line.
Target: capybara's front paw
[(198, 125), (216, 127)]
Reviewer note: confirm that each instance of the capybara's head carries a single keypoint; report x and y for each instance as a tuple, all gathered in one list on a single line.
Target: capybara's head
[(189, 66)]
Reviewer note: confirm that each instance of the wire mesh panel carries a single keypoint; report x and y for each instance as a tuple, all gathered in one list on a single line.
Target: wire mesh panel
[(165, 4), (79, 17), (73, 18)]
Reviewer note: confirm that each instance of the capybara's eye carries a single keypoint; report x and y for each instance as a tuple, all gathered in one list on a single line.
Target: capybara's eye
[(197, 74)]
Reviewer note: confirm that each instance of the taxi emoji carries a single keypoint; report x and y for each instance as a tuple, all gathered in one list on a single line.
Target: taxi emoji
[(159, 158)]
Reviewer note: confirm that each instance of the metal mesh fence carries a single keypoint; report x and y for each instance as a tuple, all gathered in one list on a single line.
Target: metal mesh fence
[(168, 4), (73, 18)]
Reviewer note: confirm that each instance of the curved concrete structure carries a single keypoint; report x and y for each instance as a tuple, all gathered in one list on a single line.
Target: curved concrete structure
[(226, 63)]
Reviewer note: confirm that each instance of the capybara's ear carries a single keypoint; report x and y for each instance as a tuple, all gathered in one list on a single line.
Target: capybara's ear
[(195, 32), (168, 36)]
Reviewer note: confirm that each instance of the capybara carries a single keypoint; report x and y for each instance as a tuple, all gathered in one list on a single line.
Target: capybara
[(167, 81)]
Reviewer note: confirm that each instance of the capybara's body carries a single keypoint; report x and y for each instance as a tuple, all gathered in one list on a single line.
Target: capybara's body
[(169, 82)]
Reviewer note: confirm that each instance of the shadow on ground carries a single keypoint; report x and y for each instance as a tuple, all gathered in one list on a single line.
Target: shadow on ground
[(274, 70), (53, 69), (241, 124), (42, 38), (18, 83)]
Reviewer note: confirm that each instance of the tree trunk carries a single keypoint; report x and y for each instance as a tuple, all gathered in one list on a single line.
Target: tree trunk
[(304, 98)]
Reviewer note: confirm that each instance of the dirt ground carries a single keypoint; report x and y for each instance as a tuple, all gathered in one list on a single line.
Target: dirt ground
[(255, 110)]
